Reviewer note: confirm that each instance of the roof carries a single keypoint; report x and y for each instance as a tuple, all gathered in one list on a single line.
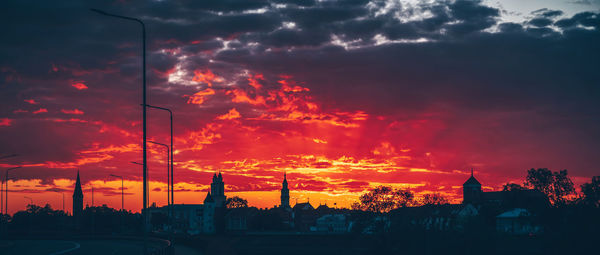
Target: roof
[(529, 198), (323, 207), (472, 181), (515, 213), (303, 206)]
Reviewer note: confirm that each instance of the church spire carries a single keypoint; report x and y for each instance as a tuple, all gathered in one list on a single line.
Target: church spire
[(77, 197), (78, 192), (285, 192)]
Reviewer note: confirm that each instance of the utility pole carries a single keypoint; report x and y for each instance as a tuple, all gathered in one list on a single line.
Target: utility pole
[(144, 126)]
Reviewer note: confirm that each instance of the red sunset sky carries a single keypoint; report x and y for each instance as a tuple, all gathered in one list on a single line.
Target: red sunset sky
[(338, 103)]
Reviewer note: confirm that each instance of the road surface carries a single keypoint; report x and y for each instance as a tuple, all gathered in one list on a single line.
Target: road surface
[(80, 247)]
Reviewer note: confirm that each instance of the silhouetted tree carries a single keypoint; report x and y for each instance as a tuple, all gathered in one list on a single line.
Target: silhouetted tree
[(38, 218), (433, 199), (384, 199), (591, 192), (236, 202), (557, 186), (103, 219), (512, 187)]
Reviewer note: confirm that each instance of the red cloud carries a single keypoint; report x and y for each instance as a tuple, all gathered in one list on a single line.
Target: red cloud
[(206, 77), (5, 122), (41, 110), (31, 101), (240, 96), (253, 81), (79, 85), (74, 111), (199, 97), (232, 114)]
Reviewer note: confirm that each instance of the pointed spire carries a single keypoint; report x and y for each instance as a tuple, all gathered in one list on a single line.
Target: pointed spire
[(471, 172), (78, 192)]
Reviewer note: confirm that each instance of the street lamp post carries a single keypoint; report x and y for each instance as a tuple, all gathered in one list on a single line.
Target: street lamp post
[(92, 194), (6, 191), (145, 162), (122, 193), (2, 185), (172, 149)]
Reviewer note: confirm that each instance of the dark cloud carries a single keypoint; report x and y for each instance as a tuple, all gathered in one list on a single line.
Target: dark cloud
[(545, 12), (588, 19), (540, 22)]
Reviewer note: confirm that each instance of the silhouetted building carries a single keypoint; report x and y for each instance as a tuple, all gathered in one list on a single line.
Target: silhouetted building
[(285, 193), (518, 221), (527, 198), (208, 214), (471, 190), (446, 217), (240, 219), (77, 198), (217, 190), (333, 223), (323, 209), (193, 219), (305, 216)]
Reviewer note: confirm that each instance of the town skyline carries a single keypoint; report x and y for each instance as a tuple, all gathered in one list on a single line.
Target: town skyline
[(410, 95)]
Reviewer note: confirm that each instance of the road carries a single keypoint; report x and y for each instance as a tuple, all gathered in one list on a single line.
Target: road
[(80, 247)]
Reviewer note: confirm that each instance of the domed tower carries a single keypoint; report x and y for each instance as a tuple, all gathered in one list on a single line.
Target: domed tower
[(77, 198), (285, 193), (471, 190)]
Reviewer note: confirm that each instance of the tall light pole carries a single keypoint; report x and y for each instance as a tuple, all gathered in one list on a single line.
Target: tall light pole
[(2, 185), (168, 189), (172, 149), (145, 162), (92, 194), (6, 191), (122, 193)]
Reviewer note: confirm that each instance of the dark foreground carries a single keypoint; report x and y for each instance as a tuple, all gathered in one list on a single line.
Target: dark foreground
[(81, 247), (413, 243)]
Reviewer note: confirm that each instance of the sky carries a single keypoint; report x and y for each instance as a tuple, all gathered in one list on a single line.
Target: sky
[(340, 95)]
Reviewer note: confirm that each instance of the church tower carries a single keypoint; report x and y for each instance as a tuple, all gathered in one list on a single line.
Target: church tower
[(471, 190), (217, 190), (285, 193), (77, 198)]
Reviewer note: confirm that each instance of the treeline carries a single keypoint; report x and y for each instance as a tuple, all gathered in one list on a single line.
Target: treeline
[(94, 220), (557, 186)]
